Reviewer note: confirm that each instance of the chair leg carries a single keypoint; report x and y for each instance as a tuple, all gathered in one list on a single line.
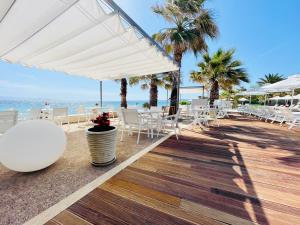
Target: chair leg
[(138, 138), (175, 130)]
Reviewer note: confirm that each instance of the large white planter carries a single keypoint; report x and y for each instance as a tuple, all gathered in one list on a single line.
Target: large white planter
[(102, 146)]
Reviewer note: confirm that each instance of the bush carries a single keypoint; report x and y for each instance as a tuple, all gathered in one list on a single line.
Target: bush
[(183, 102), (146, 105)]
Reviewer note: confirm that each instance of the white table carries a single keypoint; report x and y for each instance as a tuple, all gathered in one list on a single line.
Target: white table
[(153, 116)]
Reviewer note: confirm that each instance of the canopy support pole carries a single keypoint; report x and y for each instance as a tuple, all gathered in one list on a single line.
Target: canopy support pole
[(265, 100), (101, 94), (293, 93)]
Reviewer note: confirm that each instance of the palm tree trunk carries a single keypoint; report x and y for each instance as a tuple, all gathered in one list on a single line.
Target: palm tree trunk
[(123, 93), (176, 79), (214, 92), (153, 93)]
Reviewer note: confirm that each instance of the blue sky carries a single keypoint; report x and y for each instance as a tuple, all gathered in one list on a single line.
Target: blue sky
[(264, 33)]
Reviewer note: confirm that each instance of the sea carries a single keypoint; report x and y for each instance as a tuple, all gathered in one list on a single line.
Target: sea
[(24, 105)]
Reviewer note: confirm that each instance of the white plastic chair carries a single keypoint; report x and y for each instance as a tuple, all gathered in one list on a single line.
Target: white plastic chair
[(132, 119), (82, 114), (61, 116), (34, 114), (172, 122), (201, 116), (199, 103), (8, 119), (95, 112)]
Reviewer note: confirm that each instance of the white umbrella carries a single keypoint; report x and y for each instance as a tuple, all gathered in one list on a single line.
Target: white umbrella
[(243, 100), (275, 98), (291, 83), (297, 97)]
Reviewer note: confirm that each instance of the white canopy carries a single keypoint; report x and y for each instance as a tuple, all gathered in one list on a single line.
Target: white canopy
[(291, 83), (191, 90), (252, 93), (77, 37)]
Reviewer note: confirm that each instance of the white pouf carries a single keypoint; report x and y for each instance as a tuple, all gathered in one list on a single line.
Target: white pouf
[(32, 145)]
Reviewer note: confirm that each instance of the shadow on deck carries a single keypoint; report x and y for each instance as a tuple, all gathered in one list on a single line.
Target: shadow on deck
[(242, 172)]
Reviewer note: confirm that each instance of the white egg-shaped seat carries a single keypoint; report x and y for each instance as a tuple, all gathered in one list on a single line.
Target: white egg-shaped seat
[(32, 145)]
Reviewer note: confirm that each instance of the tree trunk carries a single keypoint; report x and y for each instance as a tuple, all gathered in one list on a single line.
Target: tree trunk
[(123, 93), (153, 93), (176, 80), (214, 92)]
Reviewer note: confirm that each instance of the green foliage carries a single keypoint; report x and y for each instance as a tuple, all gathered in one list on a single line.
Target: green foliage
[(146, 105), (190, 24), (184, 102), (270, 79), (220, 70), (220, 67)]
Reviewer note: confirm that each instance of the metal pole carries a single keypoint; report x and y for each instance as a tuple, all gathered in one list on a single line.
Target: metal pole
[(265, 100), (167, 97), (101, 94), (293, 93), (203, 92)]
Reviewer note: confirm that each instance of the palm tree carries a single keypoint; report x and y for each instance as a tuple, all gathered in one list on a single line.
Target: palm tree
[(168, 80), (219, 70), (270, 78), (151, 82), (123, 93), (190, 25)]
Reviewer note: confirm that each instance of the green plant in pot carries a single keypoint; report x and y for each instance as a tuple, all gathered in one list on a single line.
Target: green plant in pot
[(102, 141)]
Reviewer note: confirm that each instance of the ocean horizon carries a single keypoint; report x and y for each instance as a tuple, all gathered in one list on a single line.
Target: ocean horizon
[(24, 105)]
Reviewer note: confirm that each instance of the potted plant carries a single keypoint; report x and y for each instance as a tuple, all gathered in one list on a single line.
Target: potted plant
[(102, 141)]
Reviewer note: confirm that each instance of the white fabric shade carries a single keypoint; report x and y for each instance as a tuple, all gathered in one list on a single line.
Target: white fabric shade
[(251, 93), (191, 90), (76, 37), (291, 83)]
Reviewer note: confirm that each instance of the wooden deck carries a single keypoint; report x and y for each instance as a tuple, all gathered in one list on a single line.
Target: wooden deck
[(243, 172)]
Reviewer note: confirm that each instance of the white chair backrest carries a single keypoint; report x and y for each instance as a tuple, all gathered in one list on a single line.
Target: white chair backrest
[(60, 112), (7, 120), (177, 115), (130, 116), (154, 108), (120, 113), (287, 113), (199, 103), (34, 114), (81, 110)]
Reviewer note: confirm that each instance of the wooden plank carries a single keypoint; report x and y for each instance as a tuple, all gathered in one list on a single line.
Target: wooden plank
[(243, 172)]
